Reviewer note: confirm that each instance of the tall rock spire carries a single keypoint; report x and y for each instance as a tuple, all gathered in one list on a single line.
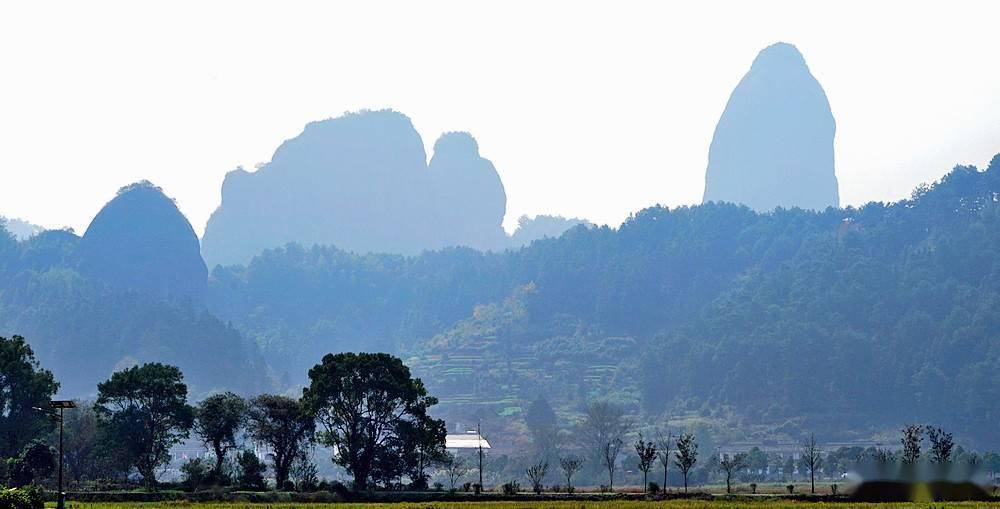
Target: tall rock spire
[(773, 146)]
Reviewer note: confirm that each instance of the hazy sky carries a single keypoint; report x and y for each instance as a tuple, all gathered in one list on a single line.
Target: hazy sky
[(586, 109)]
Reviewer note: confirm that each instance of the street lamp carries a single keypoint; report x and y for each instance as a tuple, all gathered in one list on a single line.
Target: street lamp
[(61, 405)]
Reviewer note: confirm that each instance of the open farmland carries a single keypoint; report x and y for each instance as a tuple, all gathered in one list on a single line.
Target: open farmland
[(615, 504)]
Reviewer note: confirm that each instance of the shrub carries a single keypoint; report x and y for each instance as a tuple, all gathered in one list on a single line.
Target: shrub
[(339, 488), (477, 488), (29, 497), (250, 471), (196, 471), (605, 488), (833, 489), (289, 485), (753, 488), (556, 488), (467, 487), (438, 486), (790, 488), (306, 474), (510, 488)]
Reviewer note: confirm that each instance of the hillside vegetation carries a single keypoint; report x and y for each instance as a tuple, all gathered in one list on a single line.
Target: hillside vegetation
[(789, 318)]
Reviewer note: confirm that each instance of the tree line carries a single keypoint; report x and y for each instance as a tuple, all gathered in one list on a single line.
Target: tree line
[(366, 407), (606, 441)]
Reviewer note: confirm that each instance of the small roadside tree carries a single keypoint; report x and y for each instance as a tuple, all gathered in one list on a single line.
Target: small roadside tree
[(536, 475), (218, 419), (646, 451), (570, 465), (663, 453), (609, 455), (687, 455), (145, 409), (811, 458), (730, 465), (912, 436), (942, 444), (455, 467)]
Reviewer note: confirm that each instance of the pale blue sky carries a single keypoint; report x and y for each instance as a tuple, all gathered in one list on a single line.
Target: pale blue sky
[(586, 109)]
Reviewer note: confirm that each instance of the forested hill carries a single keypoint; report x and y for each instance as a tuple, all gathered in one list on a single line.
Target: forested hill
[(850, 319), (129, 291)]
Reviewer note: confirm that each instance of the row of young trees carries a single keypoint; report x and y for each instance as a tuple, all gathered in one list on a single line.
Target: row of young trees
[(601, 442), (366, 407)]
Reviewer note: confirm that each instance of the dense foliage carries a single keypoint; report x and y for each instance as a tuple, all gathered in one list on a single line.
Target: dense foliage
[(789, 318), (24, 387), (84, 329), (145, 409), (375, 417)]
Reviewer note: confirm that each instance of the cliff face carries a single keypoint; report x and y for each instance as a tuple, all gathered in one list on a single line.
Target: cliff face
[(356, 182), (360, 182), (773, 146), (141, 241), (469, 198)]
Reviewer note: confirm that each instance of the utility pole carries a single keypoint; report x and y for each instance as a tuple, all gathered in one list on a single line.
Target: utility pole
[(479, 436)]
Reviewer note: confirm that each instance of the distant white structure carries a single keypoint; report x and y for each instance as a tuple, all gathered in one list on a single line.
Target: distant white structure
[(465, 441)]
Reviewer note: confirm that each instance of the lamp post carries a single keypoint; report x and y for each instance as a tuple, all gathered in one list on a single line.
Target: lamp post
[(62, 405)]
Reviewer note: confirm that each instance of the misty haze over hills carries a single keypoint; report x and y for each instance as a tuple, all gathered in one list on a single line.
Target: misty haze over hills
[(361, 182), (19, 228), (350, 240), (773, 146)]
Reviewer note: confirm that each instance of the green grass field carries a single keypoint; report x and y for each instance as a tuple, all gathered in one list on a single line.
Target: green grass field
[(616, 504)]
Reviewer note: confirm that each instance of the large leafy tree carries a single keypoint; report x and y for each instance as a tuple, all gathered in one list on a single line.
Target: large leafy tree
[(24, 386), (218, 418), (370, 407), (145, 409), (284, 425)]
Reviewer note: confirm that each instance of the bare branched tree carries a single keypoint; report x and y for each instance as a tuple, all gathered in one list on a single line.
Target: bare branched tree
[(663, 445), (811, 457), (570, 465), (609, 454), (536, 475), (603, 422), (455, 467)]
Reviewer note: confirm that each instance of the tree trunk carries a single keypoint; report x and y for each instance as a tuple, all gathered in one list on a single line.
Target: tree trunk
[(645, 485), (360, 480), (148, 477), (812, 480), (685, 482), (220, 455), (664, 487)]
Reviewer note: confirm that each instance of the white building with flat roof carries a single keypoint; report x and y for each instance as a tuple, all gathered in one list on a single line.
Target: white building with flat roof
[(465, 441)]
